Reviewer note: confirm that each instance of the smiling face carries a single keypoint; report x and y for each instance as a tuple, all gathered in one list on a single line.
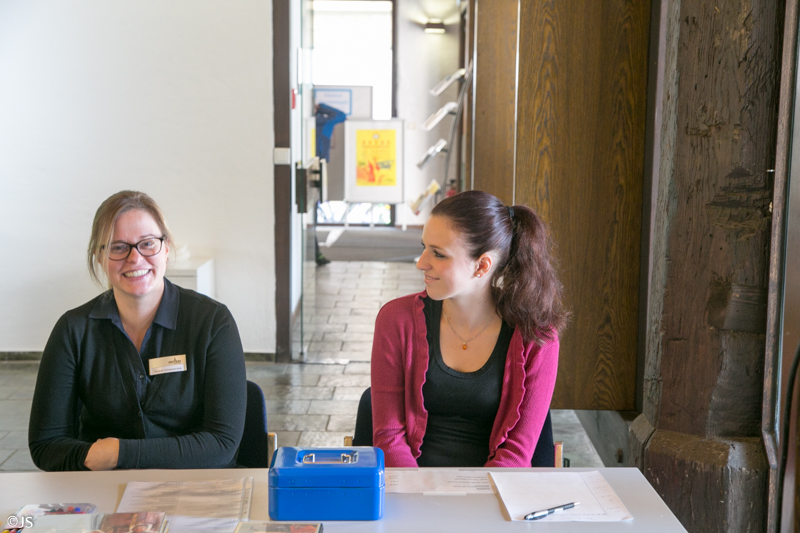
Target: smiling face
[(137, 276), (445, 261)]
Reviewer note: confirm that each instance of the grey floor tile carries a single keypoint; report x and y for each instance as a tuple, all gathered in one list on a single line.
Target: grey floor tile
[(300, 393), (20, 461), (293, 379), (333, 407), (346, 380), (297, 422), (364, 312), (283, 407), (350, 336), (360, 328), (357, 346), (326, 358), (357, 368), (288, 438), (343, 423), (325, 346), (348, 393), (15, 440), (584, 461), (353, 318), (14, 414), (5, 454), (255, 370), (325, 328), (321, 438), (361, 304), (316, 369)]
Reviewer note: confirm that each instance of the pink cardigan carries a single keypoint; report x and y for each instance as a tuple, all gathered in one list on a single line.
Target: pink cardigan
[(399, 364)]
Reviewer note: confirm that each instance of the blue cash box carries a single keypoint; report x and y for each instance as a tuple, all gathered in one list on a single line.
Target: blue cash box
[(327, 484)]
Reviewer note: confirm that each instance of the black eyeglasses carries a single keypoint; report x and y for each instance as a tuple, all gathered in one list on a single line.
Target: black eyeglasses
[(119, 251)]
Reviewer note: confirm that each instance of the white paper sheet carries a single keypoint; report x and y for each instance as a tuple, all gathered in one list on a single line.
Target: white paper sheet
[(438, 482), (525, 492), (194, 524), (221, 498)]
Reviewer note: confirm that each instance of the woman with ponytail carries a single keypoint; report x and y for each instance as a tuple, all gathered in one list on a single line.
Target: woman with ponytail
[(463, 372)]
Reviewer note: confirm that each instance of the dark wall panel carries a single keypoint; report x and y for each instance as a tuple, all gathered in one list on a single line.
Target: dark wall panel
[(495, 96), (579, 164)]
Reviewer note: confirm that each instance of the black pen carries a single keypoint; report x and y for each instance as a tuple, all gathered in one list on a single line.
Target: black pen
[(536, 515)]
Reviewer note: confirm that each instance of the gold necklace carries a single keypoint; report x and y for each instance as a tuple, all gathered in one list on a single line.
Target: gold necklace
[(464, 346)]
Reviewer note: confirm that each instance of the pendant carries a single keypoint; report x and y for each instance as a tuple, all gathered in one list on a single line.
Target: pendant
[(464, 346)]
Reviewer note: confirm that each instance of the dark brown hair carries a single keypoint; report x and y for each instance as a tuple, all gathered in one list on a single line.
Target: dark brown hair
[(525, 286), (103, 226)]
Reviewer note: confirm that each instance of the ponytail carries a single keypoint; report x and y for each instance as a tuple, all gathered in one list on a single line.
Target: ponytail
[(525, 287)]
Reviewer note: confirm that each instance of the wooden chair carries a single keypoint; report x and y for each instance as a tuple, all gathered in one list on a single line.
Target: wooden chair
[(547, 453)]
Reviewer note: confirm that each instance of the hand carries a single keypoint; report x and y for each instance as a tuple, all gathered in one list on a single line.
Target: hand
[(103, 455)]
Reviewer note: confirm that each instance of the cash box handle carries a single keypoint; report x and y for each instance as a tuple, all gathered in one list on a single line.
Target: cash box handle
[(345, 458)]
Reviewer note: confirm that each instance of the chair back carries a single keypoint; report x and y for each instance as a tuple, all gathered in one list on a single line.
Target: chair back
[(254, 448), (543, 454)]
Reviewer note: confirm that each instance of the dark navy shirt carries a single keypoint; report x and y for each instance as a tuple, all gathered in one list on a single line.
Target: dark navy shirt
[(94, 384)]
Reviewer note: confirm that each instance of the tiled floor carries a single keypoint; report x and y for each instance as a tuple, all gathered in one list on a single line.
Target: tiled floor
[(310, 404)]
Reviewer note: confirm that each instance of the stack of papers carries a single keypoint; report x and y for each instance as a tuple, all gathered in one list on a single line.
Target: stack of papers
[(193, 506), (526, 492)]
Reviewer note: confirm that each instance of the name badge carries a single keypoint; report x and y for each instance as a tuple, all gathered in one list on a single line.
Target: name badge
[(165, 365)]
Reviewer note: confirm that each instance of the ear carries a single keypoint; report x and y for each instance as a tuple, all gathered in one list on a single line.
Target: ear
[(484, 265)]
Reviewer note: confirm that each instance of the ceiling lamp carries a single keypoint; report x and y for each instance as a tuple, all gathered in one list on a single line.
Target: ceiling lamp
[(434, 26)]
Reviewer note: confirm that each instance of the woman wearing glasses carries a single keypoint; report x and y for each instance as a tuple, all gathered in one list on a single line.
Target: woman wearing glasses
[(146, 375)]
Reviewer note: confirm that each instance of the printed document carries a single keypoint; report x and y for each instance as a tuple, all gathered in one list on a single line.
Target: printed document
[(438, 482), (221, 498), (527, 492)]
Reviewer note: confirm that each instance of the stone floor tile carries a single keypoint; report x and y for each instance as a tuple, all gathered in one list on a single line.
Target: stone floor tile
[(360, 328), (357, 311), (353, 318), (299, 393), (293, 379), (357, 346), (14, 440), (326, 358), (325, 328), (345, 380), (281, 422), (288, 438), (20, 461), (332, 407), (348, 393), (322, 438), (316, 369), (584, 460), (345, 423), (357, 368), (258, 369), (360, 304), (281, 407), (350, 336), (14, 414), (325, 346), (5, 453)]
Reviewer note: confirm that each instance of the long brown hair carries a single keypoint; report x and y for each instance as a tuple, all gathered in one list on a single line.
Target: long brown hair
[(525, 286)]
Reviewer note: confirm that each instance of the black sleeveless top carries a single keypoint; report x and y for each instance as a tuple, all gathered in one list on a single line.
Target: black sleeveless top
[(461, 406)]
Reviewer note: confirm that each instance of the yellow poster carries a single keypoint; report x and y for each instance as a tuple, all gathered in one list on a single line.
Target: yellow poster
[(376, 158)]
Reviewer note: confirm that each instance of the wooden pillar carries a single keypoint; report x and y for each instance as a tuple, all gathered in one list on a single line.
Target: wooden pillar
[(698, 438)]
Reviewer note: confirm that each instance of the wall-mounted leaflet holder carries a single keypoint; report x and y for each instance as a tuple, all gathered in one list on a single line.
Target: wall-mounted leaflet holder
[(447, 109), (432, 152), (448, 81), (319, 177)]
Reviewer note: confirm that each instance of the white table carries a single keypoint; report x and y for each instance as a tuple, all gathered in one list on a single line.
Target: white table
[(403, 513)]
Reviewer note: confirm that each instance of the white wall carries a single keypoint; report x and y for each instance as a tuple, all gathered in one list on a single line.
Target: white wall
[(422, 61), (172, 98)]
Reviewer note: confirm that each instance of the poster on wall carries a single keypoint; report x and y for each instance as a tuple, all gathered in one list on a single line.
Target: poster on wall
[(374, 161)]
